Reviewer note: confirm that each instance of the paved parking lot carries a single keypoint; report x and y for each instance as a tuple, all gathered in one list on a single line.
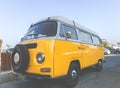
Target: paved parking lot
[(109, 77)]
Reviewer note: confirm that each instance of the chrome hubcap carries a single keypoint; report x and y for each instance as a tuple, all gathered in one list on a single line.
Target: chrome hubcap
[(74, 74), (100, 63), (16, 58)]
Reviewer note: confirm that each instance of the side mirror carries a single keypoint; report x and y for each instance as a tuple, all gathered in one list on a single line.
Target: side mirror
[(68, 34)]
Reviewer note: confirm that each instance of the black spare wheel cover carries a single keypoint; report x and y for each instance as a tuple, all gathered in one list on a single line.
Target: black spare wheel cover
[(20, 58)]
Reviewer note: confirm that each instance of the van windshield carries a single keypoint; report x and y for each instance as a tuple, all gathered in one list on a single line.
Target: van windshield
[(44, 29)]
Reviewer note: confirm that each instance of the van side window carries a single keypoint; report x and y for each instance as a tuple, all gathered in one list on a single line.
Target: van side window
[(96, 40), (65, 29), (62, 33), (85, 37)]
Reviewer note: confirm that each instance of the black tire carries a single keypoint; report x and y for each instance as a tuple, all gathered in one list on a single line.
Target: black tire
[(117, 52), (99, 66), (73, 75), (21, 63)]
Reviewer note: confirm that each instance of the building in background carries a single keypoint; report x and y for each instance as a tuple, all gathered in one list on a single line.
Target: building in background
[(118, 44), (0, 46), (115, 46), (0, 51)]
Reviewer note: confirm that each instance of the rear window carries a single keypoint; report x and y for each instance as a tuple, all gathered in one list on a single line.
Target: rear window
[(96, 40)]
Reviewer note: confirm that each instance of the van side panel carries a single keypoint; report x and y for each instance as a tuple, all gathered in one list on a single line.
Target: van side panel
[(100, 52), (91, 54), (65, 52)]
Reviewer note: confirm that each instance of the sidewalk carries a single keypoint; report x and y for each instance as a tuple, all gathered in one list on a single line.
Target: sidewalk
[(112, 55), (6, 76)]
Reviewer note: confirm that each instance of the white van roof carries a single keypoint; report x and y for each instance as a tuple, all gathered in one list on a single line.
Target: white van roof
[(70, 22)]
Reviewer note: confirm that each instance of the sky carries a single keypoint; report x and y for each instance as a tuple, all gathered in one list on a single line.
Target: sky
[(101, 16)]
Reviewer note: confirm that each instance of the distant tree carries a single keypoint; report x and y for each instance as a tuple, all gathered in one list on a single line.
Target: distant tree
[(105, 44)]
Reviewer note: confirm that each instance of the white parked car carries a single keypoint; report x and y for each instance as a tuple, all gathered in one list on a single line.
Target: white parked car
[(106, 51)]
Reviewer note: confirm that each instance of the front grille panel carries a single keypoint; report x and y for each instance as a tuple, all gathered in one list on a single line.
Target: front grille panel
[(33, 45)]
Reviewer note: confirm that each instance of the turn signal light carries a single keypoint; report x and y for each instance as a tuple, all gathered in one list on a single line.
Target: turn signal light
[(45, 70)]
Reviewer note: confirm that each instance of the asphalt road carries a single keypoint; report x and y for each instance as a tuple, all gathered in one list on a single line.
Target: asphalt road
[(109, 77)]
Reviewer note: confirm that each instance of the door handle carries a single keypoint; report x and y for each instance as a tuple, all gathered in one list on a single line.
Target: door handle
[(80, 48)]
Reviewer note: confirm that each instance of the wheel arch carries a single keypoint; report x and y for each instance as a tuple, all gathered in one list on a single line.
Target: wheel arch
[(101, 59), (77, 62)]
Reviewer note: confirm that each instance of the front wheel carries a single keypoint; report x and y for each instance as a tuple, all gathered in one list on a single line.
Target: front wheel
[(73, 75), (99, 66)]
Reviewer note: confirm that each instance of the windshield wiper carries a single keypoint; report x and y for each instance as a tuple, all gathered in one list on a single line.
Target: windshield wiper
[(34, 34)]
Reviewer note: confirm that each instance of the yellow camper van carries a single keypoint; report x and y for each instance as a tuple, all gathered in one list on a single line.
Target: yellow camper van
[(57, 47)]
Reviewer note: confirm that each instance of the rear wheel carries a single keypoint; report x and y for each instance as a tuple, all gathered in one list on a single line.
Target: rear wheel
[(73, 75), (99, 66)]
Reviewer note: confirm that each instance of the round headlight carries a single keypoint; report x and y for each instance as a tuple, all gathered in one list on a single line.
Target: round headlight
[(40, 58)]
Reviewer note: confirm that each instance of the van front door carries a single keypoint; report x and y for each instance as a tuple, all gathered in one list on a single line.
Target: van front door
[(66, 50)]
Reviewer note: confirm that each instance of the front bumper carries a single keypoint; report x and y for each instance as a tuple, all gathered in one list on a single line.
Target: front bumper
[(35, 76)]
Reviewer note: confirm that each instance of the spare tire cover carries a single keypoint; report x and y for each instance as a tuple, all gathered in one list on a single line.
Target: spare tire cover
[(20, 58)]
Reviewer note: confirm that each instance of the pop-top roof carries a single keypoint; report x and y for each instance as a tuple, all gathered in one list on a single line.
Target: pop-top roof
[(71, 22)]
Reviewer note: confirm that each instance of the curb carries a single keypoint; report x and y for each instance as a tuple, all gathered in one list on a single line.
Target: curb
[(6, 76), (112, 55)]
